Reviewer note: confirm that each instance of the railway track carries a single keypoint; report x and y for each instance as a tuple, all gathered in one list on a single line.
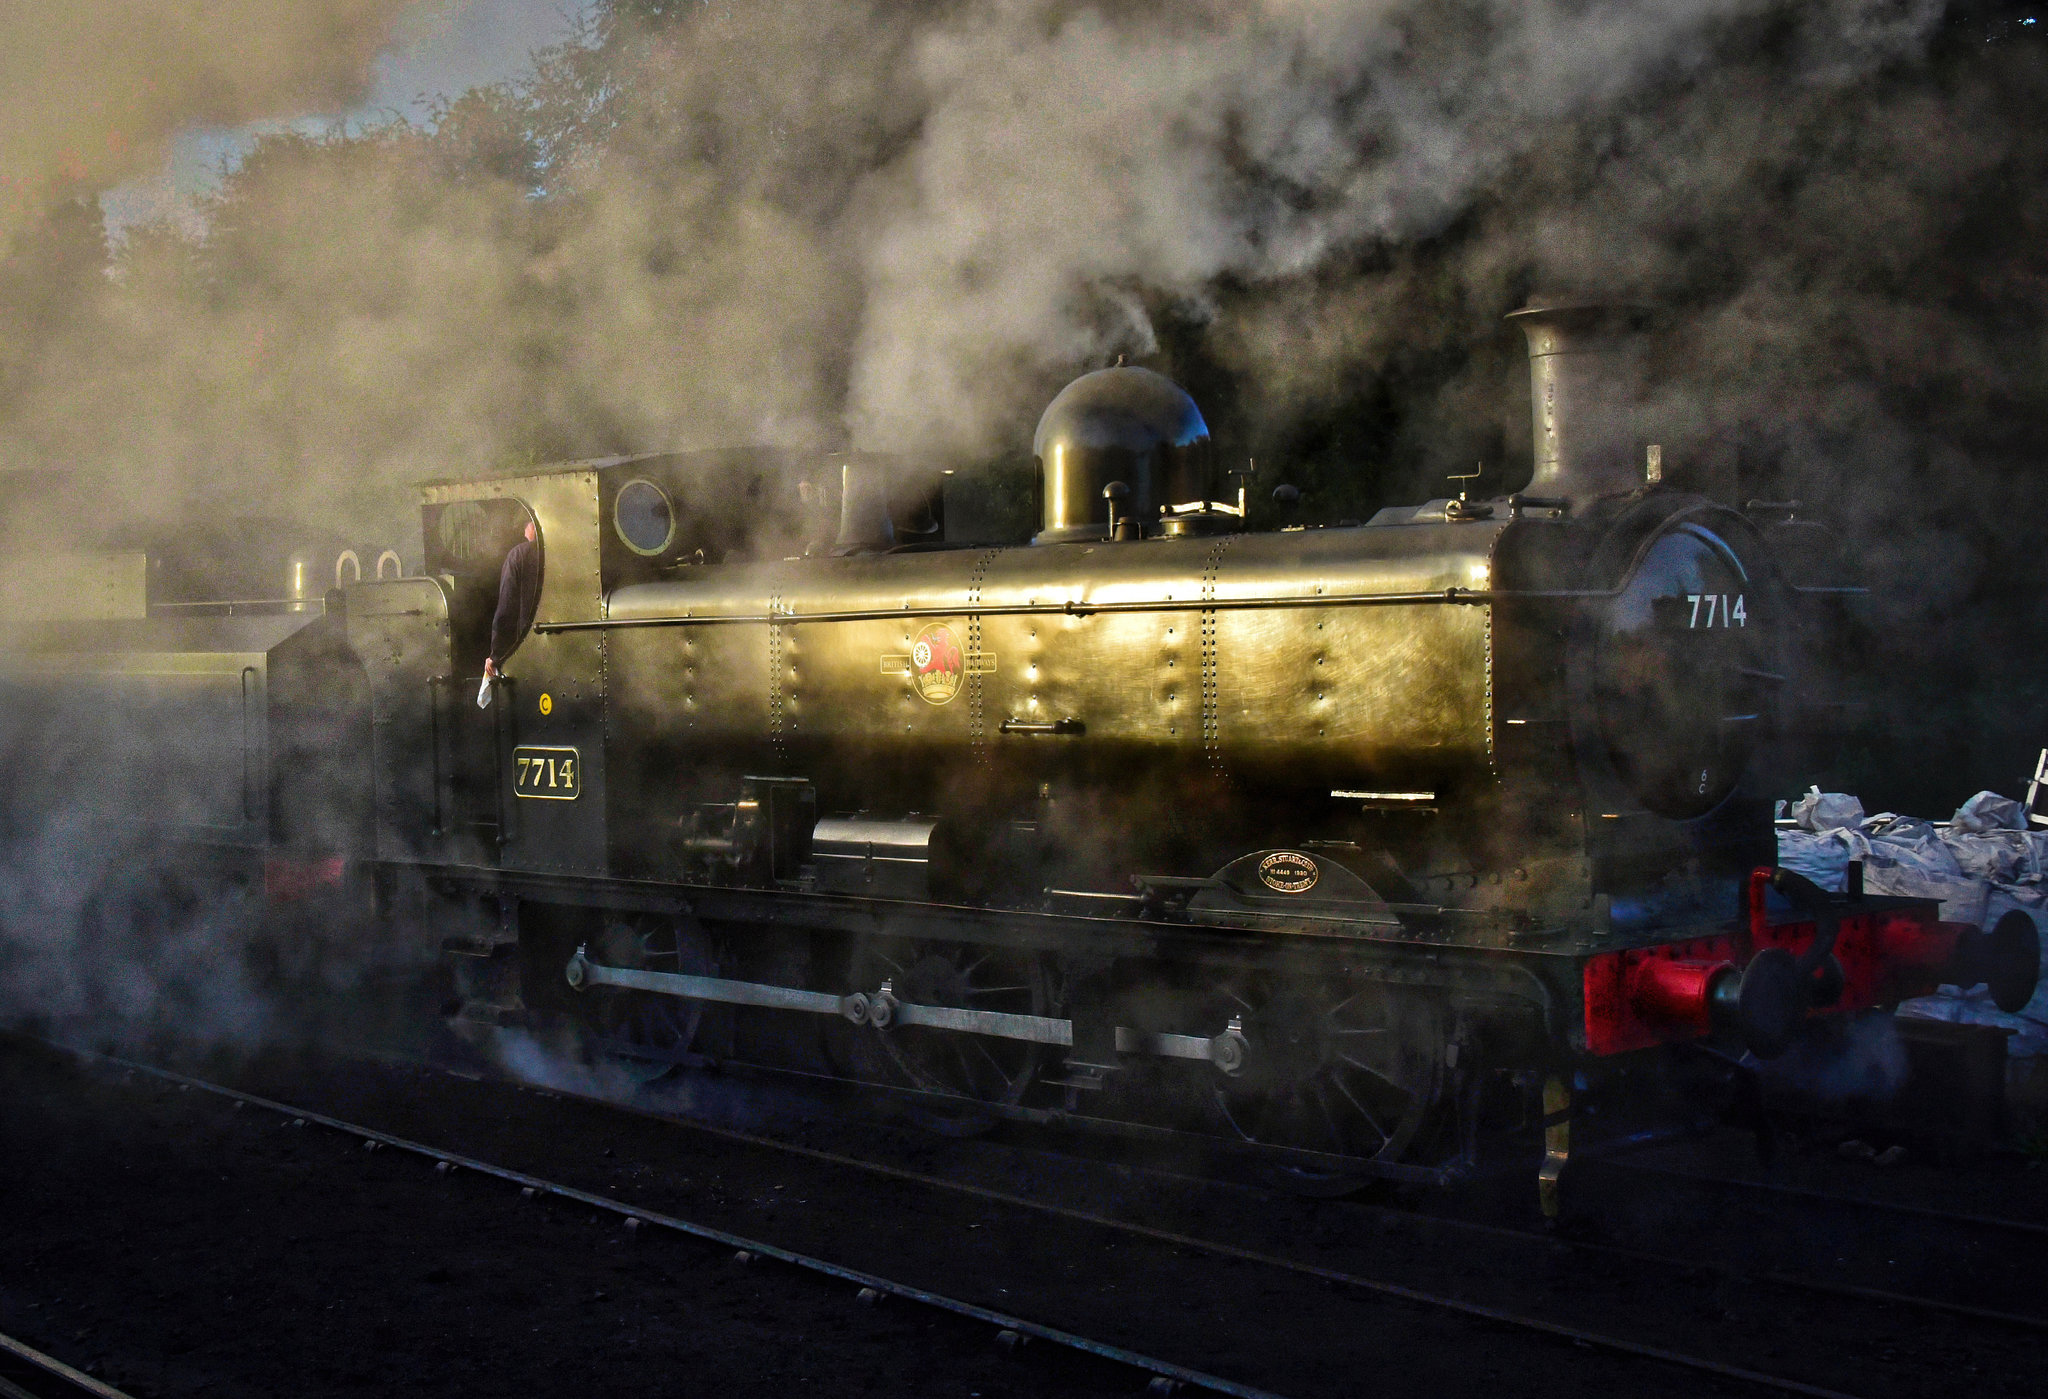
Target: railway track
[(1537, 1251), (1782, 1280), (27, 1373), (1155, 1368), (1777, 1281), (1806, 1196), (1989, 1257), (1160, 1376), (1350, 1280), (1778, 1278)]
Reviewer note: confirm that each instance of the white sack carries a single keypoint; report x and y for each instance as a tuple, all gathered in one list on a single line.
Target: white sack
[(1826, 811), (1824, 857), (1987, 811)]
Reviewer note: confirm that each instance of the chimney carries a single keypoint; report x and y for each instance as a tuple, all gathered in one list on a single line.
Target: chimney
[(1585, 383), (865, 526), (889, 502)]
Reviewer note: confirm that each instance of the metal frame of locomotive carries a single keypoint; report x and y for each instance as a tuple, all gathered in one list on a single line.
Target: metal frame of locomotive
[(1320, 841)]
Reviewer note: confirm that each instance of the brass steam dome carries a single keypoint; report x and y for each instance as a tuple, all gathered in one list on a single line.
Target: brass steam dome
[(1124, 425)]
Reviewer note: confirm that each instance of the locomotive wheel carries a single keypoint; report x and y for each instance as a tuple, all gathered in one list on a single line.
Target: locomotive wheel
[(648, 1037), (1357, 1071), (958, 1065)]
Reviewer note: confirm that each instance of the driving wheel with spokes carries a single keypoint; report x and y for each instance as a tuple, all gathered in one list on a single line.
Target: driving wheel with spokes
[(1351, 1071), (649, 1036), (965, 1067)]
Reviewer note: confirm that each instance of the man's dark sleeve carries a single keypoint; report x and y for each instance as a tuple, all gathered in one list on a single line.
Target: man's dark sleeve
[(506, 624)]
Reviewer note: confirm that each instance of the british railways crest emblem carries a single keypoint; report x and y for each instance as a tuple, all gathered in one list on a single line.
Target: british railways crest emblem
[(937, 664)]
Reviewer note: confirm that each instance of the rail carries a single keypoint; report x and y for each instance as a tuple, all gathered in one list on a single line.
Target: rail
[(51, 1376)]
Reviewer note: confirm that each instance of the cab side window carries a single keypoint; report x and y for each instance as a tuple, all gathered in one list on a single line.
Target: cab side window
[(468, 543)]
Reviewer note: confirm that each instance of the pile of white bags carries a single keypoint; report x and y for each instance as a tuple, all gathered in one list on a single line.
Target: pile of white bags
[(1982, 865)]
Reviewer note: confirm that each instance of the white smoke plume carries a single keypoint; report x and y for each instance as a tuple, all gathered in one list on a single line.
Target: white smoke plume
[(884, 223), (92, 90)]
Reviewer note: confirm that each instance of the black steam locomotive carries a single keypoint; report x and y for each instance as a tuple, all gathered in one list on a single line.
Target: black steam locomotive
[(1333, 844)]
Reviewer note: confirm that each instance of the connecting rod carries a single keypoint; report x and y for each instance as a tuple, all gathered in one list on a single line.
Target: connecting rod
[(882, 1010)]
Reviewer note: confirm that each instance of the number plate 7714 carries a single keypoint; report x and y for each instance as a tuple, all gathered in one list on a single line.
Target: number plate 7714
[(547, 774), (1716, 610)]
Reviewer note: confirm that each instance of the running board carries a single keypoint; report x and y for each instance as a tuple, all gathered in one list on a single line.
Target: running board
[(883, 1011)]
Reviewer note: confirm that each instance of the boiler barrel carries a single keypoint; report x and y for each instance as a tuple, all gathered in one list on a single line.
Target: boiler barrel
[(1334, 659)]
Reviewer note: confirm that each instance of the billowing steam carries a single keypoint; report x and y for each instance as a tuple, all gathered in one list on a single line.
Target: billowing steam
[(1074, 165), (94, 929), (91, 91), (898, 224)]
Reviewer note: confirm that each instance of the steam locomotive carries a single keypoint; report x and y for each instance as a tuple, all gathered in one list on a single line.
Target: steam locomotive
[(1337, 846)]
